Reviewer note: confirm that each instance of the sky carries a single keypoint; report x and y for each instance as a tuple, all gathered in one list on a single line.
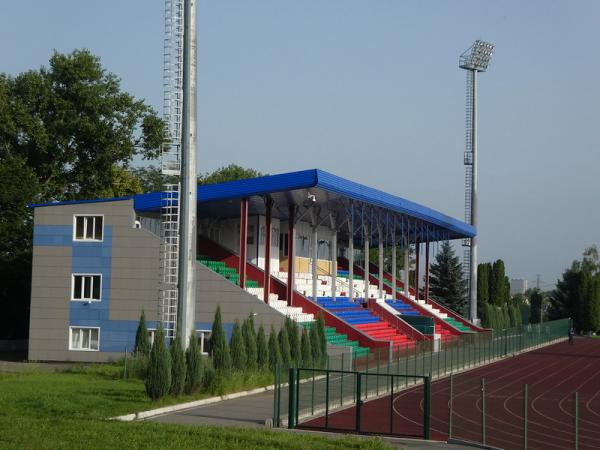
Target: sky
[(371, 91)]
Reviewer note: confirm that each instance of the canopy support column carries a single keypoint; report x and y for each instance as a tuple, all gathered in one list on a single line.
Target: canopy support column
[(427, 271), (243, 241), (291, 278), (351, 257), (314, 268), (406, 272), (366, 263), (380, 263), (417, 251), (334, 264), (394, 265), (268, 236)]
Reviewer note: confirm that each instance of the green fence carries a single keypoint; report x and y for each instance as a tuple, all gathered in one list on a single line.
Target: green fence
[(407, 366)]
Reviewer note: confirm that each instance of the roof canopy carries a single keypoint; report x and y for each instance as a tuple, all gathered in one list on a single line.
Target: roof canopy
[(322, 198)]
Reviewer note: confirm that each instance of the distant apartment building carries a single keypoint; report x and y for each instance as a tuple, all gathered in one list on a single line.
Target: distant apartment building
[(518, 286)]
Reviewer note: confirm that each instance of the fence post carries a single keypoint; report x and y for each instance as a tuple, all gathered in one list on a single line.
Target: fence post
[(406, 371), (427, 408), (342, 382), (276, 396), (525, 410), (358, 402), (483, 411), (292, 403), (327, 400), (392, 407), (576, 420), (450, 405)]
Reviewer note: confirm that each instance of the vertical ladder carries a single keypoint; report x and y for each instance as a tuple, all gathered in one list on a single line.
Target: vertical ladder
[(171, 166), (468, 162)]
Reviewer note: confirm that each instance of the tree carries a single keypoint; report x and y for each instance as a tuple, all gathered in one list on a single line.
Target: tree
[(219, 349), (497, 288), (67, 132), (294, 337), (483, 274), (446, 282), (238, 349), (317, 357), (178, 368), (274, 350), (250, 344), (536, 300), (284, 347), (322, 340), (142, 340), (231, 172), (193, 360), (158, 378), (262, 349), (305, 344)]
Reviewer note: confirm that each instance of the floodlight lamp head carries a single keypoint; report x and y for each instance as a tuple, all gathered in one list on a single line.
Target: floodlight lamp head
[(477, 57)]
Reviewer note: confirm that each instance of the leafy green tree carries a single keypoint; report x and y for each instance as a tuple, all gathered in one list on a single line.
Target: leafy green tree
[(238, 349), (446, 282), (307, 359), (536, 300), (295, 350), (219, 349), (158, 378), (142, 339), (250, 343), (262, 349), (317, 357), (193, 360), (284, 347), (231, 172), (483, 275), (178, 368), (274, 349), (322, 340), (67, 131), (497, 288)]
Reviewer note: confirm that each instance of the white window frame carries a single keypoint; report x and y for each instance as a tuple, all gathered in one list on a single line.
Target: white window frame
[(86, 300), (83, 349), (202, 340), (85, 222)]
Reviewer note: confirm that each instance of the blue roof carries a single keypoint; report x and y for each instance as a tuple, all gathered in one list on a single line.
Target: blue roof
[(306, 179)]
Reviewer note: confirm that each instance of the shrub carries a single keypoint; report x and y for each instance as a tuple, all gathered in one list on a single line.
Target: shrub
[(177, 367), (262, 349), (238, 349), (158, 380), (294, 336), (219, 349), (193, 365), (284, 347), (307, 359), (274, 350), (142, 340), (250, 343), (137, 366)]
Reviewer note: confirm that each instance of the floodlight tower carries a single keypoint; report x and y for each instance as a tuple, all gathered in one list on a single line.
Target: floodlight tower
[(475, 59)]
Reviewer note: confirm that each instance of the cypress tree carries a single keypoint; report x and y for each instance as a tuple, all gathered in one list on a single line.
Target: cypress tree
[(238, 350), (307, 359), (295, 349), (158, 378), (250, 343), (193, 360), (219, 349), (274, 349), (178, 368), (498, 284), (322, 340), (535, 300), (262, 349), (284, 347), (483, 284), (317, 357), (142, 340)]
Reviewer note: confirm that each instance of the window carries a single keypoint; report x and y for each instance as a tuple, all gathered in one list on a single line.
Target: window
[(88, 228), (203, 341), (86, 287), (84, 339)]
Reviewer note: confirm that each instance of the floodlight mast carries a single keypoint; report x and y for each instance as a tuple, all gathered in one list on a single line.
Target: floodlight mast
[(475, 59)]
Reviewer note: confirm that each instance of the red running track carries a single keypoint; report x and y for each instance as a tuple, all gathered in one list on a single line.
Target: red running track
[(553, 375)]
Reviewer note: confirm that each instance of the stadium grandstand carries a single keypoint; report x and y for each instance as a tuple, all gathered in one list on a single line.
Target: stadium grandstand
[(291, 244)]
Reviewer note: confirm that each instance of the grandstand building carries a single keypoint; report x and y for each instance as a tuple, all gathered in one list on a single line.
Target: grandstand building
[(291, 244)]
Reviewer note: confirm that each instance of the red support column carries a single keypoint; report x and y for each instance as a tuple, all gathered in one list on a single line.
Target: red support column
[(417, 248), (243, 240), (427, 271), (268, 232), (291, 255)]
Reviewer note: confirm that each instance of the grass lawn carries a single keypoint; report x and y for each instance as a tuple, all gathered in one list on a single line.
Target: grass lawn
[(69, 410)]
